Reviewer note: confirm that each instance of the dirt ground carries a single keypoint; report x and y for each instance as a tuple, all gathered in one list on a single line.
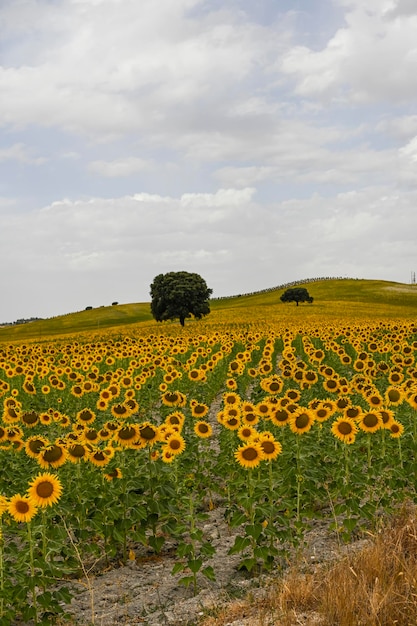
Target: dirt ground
[(145, 592)]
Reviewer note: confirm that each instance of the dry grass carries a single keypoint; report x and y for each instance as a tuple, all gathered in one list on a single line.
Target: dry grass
[(375, 586)]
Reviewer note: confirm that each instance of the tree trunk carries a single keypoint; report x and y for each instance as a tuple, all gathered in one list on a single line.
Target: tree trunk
[(182, 320)]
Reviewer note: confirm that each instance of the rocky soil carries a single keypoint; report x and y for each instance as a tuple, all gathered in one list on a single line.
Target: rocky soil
[(145, 592)]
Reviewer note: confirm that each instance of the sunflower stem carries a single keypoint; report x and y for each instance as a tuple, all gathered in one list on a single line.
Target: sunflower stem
[(299, 478), (1, 572), (270, 500), (251, 509), (400, 453), (369, 448), (43, 534), (32, 571), (347, 457)]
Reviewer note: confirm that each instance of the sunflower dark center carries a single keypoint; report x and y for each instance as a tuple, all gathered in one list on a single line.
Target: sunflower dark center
[(370, 420), (268, 447), (53, 454), (77, 451), (127, 433), (345, 428), (45, 489), (250, 454), (147, 432), (302, 420), (394, 395), (22, 507)]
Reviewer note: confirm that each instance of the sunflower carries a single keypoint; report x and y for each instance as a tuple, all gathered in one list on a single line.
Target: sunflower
[(77, 391), (148, 433), (263, 409), (45, 490), (387, 417), (53, 455), (194, 374), (272, 384), (280, 416), (3, 434), (270, 447), (120, 410), (395, 378), (331, 385), (127, 435), (34, 445), (90, 436), (14, 433), (293, 395), (99, 458), (321, 413), (396, 429), (353, 411), (250, 417), (310, 377), (77, 452), (29, 387), (22, 508), (45, 419), (301, 421), (249, 454), (375, 401), (230, 398), (102, 405), (4, 503), (342, 402), (167, 456), (370, 422), (203, 429), (231, 384), (85, 416), (115, 473), (199, 410), (393, 396), (174, 398), (231, 422), (175, 444), (175, 419), (132, 405), (29, 418), (11, 414), (344, 429), (246, 432)]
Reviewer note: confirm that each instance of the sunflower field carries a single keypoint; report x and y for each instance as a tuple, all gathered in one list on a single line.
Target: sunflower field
[(126, 438)]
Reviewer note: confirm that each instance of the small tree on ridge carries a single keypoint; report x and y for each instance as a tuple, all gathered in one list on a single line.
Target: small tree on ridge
[(296, 294)]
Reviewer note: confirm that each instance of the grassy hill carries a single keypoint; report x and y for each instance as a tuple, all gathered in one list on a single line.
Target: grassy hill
[(363, 298)]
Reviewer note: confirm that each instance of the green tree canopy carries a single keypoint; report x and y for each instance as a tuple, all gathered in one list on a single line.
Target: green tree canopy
[(296, 294), (178, 295)]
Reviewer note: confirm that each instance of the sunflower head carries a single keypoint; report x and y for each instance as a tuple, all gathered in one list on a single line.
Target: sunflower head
[(22, 508), (45, 490)]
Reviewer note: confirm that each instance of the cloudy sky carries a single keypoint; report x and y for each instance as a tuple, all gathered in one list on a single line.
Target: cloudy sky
[(254, 143)]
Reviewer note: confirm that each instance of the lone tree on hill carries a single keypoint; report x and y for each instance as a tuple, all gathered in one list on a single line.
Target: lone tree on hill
[(297, 294), (179, 295)]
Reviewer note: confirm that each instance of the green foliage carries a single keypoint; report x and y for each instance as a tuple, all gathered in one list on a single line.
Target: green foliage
[(179, 295), (297, 294)]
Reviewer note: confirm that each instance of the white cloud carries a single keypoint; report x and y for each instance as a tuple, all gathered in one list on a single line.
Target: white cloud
[(119, 167), (349, 67), (20, 153)]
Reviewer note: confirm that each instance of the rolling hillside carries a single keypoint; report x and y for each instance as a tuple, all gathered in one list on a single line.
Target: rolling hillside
[(360, 298)]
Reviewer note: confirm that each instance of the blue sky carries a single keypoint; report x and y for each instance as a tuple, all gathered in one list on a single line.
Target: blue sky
[(255, 143)]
